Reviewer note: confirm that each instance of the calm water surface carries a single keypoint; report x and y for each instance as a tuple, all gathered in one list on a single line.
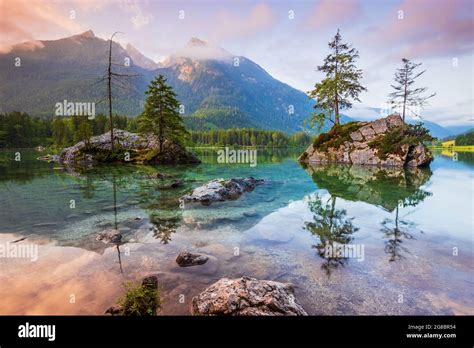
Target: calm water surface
[(412, 230)]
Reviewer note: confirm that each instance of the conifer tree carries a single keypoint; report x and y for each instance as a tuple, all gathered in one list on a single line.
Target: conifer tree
[(161, 116), (341, 84), (405, 95)]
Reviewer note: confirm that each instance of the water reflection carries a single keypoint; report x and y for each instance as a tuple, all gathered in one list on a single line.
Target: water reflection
[(159, 196), (396, 231), (264, 155), (23, 168), (333, 229), (456, 156), (389, 188)]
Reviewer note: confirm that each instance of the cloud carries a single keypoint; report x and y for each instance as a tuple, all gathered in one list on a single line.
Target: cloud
[(329, 13), (139, 19), (229, 25), (26, 20), (199, 49), (427, 28)]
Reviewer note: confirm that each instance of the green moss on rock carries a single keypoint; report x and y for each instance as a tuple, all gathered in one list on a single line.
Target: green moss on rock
[(394, 140), (337, 136)]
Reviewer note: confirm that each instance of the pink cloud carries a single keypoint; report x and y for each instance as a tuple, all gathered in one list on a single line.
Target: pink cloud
[(230, 25), (428, 28), (27, 20), (328, 13)]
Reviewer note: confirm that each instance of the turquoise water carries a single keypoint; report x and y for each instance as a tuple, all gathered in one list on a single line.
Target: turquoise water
[(412, 232)]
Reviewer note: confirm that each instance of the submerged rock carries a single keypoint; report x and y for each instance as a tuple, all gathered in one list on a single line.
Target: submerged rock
[(383, 142), (177, 184), (109, 236), (247, 296), (186, 259), (128, 147), (219, 190), (150, 282)]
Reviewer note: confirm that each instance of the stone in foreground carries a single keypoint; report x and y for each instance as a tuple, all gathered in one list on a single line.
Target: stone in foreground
[(247, 296), (220, 190), (365, 143), (187, 259)]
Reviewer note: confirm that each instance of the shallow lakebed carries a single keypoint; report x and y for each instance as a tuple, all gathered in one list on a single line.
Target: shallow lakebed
[(412, 232)]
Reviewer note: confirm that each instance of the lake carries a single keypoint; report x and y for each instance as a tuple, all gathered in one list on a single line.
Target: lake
[(352, 240)]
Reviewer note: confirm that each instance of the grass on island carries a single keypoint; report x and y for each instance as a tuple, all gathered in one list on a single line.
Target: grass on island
[(394, 140), (337, 136)]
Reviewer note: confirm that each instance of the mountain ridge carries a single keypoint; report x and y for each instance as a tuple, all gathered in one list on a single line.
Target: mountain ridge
[(217, 89)]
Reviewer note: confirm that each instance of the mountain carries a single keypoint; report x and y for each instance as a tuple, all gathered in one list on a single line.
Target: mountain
[(466, 138), (216, 88), (435, 129), (140, 60), (459, 135), (456, 130), (51, 71)]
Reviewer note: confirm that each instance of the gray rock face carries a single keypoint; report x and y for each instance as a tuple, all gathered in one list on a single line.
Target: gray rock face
[(418, 155), (219, 190), (134, 143), (187, 259), (247, 296), (359, 152), (109, 236)]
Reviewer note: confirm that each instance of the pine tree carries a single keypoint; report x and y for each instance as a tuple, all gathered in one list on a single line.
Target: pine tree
[(161, 116), (404, 95), (84, 131), (341, 84)]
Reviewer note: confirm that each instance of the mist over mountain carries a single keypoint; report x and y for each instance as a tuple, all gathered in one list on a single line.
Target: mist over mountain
[(140, 60), (216, 88)]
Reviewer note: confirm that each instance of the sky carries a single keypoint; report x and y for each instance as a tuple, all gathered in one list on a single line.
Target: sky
[(286, 38)]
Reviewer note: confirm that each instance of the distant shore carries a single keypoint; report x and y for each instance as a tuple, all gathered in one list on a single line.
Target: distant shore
[(463, 148)]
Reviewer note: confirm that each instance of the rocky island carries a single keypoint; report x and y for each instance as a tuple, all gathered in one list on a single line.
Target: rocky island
[(128, 147), (219, 190), (383, 142)]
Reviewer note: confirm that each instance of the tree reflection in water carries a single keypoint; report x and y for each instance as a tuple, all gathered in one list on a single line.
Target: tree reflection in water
[(398, 229), (332, 227), (388, 188), (164, 227), (161, 200)]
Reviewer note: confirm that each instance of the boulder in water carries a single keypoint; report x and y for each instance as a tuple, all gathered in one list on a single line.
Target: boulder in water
[(247, 296)]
